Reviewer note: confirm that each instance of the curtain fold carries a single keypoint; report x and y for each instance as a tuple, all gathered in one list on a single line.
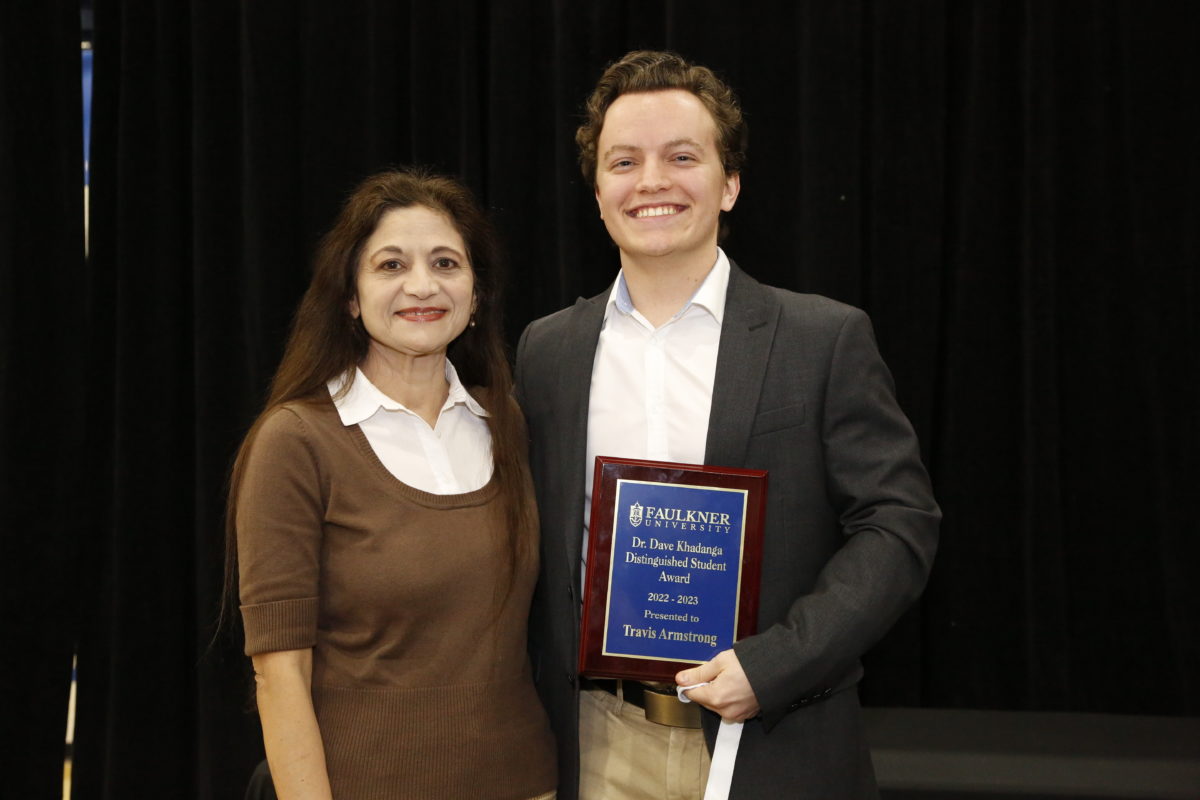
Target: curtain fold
[(1009, 189), (43, 331)]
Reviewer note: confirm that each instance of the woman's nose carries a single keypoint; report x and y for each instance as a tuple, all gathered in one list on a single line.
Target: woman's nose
[(420, 282)]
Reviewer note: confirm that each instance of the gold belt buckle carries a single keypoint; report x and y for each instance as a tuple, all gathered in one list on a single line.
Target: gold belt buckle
[(662, 705)]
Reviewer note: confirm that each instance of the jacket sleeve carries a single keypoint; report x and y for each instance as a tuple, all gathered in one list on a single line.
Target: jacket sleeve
[(880, 493)]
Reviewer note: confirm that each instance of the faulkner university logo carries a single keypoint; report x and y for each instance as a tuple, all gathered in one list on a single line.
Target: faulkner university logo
[(680, 519)]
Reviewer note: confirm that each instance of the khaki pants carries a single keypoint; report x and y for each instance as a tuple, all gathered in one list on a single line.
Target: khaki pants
[(624, 757)]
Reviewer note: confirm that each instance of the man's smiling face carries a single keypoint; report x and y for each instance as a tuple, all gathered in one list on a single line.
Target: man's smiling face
[(660, 183)]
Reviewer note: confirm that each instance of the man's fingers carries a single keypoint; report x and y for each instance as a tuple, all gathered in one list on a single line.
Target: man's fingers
[(704, 672)]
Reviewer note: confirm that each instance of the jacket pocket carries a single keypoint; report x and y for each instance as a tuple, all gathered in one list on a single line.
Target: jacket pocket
[(778, 419)]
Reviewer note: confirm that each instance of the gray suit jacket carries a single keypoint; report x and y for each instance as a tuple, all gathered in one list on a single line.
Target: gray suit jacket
[(851, 530)]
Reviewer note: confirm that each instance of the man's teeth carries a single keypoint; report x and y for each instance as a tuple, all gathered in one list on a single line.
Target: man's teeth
[(656, 211)]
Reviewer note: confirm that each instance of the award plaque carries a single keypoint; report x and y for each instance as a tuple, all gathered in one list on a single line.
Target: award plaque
[(673, 569)]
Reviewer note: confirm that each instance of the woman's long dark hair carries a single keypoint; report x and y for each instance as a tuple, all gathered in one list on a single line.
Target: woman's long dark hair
[(326, 342)]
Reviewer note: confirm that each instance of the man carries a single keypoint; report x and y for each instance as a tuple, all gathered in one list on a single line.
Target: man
[(688, 359)]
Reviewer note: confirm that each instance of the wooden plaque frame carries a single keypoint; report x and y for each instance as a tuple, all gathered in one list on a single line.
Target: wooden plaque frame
[(593, 662)]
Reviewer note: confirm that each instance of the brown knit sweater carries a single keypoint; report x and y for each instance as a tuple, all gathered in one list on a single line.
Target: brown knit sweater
[(420, 690)]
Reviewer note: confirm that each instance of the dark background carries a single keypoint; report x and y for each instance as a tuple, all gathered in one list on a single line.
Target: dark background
[(1009, 188)]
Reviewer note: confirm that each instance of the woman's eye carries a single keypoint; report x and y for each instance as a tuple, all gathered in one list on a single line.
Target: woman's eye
[(391, 265), (445, 263)]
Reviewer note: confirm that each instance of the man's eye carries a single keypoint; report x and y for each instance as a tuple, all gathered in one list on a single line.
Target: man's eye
[(622, 164), (683, 157)]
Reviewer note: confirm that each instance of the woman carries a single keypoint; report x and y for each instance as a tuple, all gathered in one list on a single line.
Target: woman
[(384, 521)]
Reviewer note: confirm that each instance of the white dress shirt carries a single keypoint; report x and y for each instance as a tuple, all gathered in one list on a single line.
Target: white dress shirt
[(652, 388), (452, 457)]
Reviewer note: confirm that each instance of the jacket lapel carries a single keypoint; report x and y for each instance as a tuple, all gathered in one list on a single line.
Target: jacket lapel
[(747, 332), (574, 388)]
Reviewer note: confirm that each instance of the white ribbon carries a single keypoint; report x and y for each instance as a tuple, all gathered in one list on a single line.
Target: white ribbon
[(720, 772)]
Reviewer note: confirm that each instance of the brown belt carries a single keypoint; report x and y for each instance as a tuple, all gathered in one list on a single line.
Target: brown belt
[(658, 700)]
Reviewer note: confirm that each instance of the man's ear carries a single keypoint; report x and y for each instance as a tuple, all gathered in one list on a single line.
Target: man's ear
[(733, 186), (597, 192)]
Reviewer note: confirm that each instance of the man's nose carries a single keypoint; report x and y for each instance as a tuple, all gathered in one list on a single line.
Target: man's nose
[(653, 177)]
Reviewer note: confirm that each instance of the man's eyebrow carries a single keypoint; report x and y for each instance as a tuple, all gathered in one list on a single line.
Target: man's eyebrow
[(620, 148), (628, 148)]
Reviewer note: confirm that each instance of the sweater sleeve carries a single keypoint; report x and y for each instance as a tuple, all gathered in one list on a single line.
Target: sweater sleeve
[(280, 509)]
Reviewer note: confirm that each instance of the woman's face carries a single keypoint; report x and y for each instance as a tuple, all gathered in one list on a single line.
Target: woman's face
[(415, 287)]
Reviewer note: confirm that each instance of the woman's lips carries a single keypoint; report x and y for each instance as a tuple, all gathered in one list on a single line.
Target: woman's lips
[(421, 314)]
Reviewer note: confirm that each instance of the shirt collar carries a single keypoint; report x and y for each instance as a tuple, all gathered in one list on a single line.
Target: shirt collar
[(363, 399), (710, 295)]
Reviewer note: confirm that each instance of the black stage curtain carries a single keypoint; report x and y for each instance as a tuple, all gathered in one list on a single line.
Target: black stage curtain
[(1008, 188), (43, 336)]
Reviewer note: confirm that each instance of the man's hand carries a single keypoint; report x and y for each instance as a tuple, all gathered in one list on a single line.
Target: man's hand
[(728, 692)]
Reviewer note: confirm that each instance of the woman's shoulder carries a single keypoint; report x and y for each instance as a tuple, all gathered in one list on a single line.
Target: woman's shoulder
[(300, 419)]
